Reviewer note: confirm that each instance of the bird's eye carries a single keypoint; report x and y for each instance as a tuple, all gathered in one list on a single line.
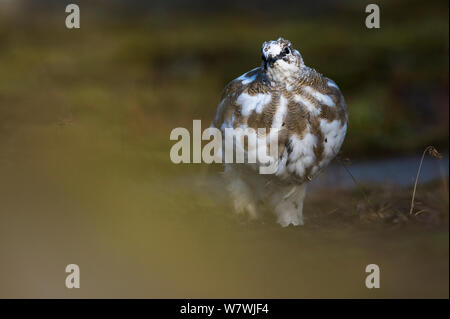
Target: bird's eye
[(287, 50)]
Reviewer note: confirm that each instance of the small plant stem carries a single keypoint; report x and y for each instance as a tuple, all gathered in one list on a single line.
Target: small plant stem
[(417, 179)]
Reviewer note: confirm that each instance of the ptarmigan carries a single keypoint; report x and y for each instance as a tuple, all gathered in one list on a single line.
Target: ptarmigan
[(309, 113)]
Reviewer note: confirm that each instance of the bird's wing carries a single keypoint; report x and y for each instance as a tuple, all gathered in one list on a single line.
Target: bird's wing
[(249, 103)]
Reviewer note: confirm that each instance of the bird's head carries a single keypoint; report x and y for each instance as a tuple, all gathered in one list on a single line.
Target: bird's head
[(280, 60)]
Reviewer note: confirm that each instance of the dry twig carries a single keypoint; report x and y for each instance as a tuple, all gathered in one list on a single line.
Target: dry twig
[(432, 151)]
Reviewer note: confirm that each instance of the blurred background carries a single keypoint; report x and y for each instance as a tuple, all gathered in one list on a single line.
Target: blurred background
[(86, 178)]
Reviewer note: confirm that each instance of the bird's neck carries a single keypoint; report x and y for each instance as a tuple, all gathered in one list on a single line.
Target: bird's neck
[(287, 75), (290, 78)]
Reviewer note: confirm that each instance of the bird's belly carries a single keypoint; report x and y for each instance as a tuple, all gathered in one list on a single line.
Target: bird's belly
[(307, 155)]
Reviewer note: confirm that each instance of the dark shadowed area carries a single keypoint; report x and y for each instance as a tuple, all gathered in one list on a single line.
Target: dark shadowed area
[(86, 177)]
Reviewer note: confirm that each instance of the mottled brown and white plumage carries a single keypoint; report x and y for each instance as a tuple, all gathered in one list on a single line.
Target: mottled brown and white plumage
[(310, 115)]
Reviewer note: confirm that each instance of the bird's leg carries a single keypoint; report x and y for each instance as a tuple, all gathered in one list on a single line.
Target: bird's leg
[(288, 204), (241, 193)]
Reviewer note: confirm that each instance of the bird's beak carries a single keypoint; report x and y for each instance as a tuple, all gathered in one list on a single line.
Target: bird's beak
[(268, 61)]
